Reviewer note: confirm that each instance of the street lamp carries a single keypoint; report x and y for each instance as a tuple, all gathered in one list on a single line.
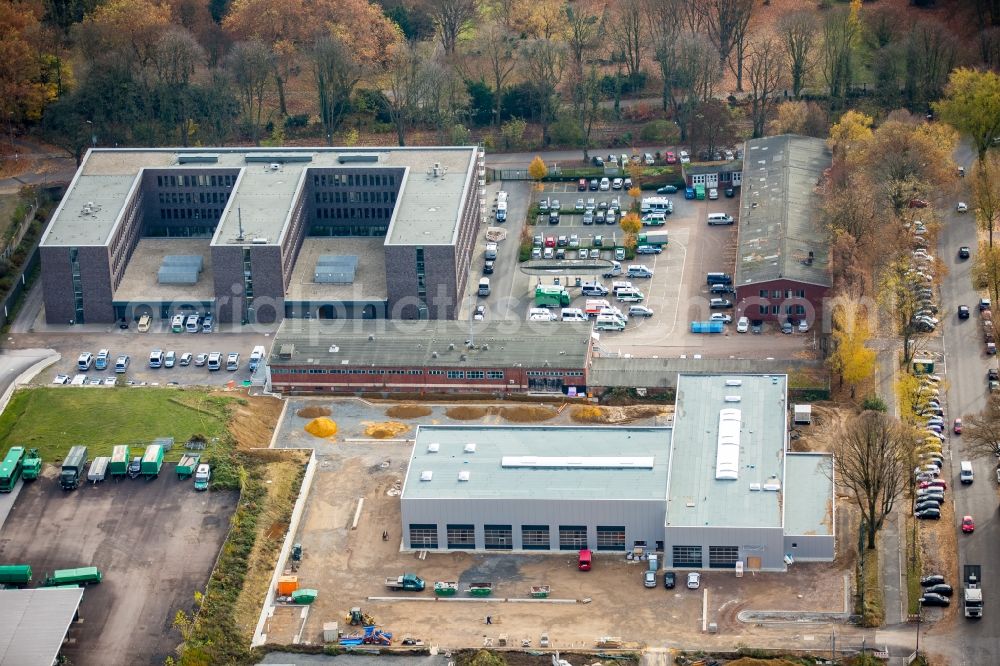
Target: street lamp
[(93, 134)]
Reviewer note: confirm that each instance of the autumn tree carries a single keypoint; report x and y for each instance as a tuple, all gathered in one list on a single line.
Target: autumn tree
[(851, 359), (766, 74), (798, 31), (544, 63), (850, 133), (840, 30), (130, 29), (986, 270), (178, 55), (986, 193), (631, 224), (972, 106), (628, 29), (22, 94), (497, 47), (931, 51), (796, 117), (981, 431), (714, 126), (872, 453), (897, 296), (537, 169)]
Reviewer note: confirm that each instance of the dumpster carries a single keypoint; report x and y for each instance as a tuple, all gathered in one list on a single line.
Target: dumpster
[(187, 465), (287, 585), (304, 596)]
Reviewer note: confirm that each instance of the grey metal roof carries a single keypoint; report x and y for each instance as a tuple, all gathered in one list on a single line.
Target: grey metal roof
[(663, 372), (396, 343), (426, 212), (488, 478), (780, 218), (695, 497), (694, 168), (809, 494), (33, 624)]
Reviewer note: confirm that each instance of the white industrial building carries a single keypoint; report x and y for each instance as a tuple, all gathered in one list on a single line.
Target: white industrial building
[(716, 490)]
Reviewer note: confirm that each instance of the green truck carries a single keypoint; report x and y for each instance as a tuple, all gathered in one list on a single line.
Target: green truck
[(551, 296), (202, 476), (120, 455), (80, 576), (32, 465), (409, 582), (152, 461), (15, 575), (187, 465), (73, 467)]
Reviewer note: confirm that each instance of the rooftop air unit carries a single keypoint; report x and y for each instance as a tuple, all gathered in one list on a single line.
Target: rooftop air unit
[(772, 484), (433, 447), (734, 382), (426, 475), (754, 486), (470, 447), (463, 475), (732, 398)]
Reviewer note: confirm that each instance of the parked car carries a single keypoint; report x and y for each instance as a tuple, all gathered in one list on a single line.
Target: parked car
[(669, 580), (667, 189), (730, 192), (671, 157), (721, 316), (581, 185), (689, 193), (648, 249), (693, 580), (928, 514), (719, 303), (639, 311), (957, 427), (943, 589), (200, 359), (964, 252), (186, 358), (616, 184), (962, 207), (649, 578), (480, 313), (968, 525), (742, 325), (932, 579), (786, 327), (931, 599), (713, 193), (963, 311)]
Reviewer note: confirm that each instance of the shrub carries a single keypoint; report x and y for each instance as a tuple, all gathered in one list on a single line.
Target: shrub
[(874, 403)]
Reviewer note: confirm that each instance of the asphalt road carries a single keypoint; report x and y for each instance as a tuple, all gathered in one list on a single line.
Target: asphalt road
[(966, 375)]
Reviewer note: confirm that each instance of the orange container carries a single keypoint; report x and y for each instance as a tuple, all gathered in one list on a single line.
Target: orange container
[(287, 585)]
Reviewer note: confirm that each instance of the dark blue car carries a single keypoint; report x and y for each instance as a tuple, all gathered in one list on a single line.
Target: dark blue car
[(689, 193)]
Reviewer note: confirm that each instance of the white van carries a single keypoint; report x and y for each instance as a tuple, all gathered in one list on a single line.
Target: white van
[(629, 295), (156, 358), (233, 362), (573, 314), (255, 356), (541, 314), (192, 324), (84, 361), (609, 323), (719, 218), (639, 271), (965, 475), (501, 211), (484, 286), (215, 361)]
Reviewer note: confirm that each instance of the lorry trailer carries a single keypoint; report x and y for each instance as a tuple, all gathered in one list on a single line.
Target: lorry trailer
[(98, 469), (72, 468), (79, 576), (11, 468), (152, 461), (119, 460), (187, 465), (17, 575)]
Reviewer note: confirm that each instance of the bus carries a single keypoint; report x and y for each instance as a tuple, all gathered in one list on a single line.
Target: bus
[(10, 469)]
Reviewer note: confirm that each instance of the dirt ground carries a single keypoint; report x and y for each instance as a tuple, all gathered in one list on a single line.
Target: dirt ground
[(348, 566)]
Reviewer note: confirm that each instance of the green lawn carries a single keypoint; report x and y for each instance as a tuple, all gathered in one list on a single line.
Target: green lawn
[(53, 419)]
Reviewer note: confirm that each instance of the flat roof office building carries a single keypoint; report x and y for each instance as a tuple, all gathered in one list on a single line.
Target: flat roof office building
[(256, 235), (718, 490)]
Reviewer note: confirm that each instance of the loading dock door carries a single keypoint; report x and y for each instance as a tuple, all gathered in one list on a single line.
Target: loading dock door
[(753, 563)]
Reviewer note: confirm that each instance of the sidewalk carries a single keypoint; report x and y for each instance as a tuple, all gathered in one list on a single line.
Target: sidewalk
[(889, 546)]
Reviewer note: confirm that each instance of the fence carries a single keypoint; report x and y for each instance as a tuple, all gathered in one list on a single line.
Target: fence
[(22, 228), (8, 303)]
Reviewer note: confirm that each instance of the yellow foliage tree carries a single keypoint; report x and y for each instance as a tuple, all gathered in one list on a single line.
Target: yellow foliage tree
[(851, 359), (537, 169), (853, 130), (630, 224), (972, 106), (986, 193), (635, 192)]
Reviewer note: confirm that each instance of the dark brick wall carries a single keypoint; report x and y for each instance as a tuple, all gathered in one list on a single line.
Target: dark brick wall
[(749, 301), (268, 284), (57, 285), (188, 193), (401, 281), (442, 283), (227, 271), (95, 274)]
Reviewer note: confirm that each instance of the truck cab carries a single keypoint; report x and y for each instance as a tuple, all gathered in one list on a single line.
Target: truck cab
[(202, 476)]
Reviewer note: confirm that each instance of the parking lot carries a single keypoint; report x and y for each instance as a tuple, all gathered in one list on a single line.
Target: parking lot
[(347, 565), (678, 292), (155, 542)]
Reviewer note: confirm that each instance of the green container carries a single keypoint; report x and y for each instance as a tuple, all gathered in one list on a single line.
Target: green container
[(15, 574), (187, 465), (481, 589), (152, 461), (82, 576), (32, 466), (120, 456), (445, 588), (304, 596)]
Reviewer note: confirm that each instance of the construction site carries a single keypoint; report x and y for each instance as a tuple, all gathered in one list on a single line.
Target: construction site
[(348, 582)]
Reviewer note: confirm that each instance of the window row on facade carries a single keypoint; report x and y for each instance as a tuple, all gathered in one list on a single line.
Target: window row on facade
[(354, 180), (192, 197), (354, 213), (197, 180), (501, 537), (719, 557), (364, 196), (452, 374), (190, 213), (777, 293), (555, 373), (776, 309)]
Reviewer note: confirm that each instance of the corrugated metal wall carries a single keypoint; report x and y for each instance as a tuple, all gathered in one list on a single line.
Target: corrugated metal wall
[(767, 543), (810, 548)]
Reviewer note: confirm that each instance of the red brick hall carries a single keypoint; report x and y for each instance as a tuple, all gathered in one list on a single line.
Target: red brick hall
[(433, 356)]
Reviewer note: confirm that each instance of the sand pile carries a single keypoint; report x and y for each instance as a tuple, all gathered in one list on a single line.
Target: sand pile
[(386, 430), (466, 413), (595, 414), (321, 427), (313, 412), (408, 411), (528, 413)]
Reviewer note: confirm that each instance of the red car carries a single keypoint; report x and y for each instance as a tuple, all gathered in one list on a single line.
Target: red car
[(957, 428), (581, 186), (968, 525), (918, 203), (550, 241), (671, 157), (936, 483)]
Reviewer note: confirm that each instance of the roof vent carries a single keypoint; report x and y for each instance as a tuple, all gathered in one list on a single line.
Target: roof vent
[(734, 382), (451, 346), (485, 347), (259, 240), (334, 349), (732, 398), (754, 486), (463, 475), (772, 484), (426, 475), (433, 447), (434, 354), (470, 447), (462, 357), (274, 166), (371, 338)]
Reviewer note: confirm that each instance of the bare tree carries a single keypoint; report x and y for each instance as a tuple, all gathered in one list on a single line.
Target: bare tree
[(544, 63), (662, 28), (690, 15), (444, 93), (404, 82), (931, 54), (766, 74), (986, 193), (250, 64), (177, 55), (336, 73), (584, 31), (689, 74), (452, 17), (989, 47), (871, 454), (798, 35), (726, 22), (628, 29), (981, 432), (840, 32), (498, 49)]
